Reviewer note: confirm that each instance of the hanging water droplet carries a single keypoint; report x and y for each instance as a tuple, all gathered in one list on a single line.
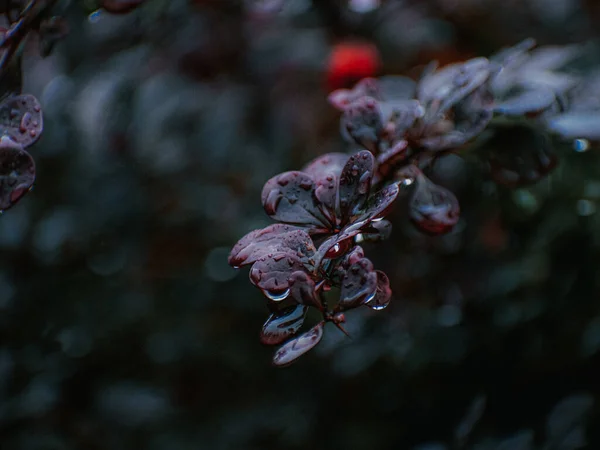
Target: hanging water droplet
[(359, 238), (277, 297), (581, 145)]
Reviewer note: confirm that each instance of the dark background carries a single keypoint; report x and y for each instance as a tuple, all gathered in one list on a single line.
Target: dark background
[(122, 327)]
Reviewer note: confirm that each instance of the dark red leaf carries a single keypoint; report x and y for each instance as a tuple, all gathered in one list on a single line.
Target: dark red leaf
[(453, 83), (289, 198), (358, 285), (303, 290), (21, 119), (17, 173), (279, 327), (298, 346), (275, 238), (325, 171), (272, 274), (362, 123), (355, 184)]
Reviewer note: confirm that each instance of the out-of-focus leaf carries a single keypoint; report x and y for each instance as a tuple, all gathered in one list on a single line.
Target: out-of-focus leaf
[(342, 98), (17, 173), (298, 346), (120, 6), (526, 102), (523, 440), (575, 125), (519, 155), (361, 123), (565, 419)]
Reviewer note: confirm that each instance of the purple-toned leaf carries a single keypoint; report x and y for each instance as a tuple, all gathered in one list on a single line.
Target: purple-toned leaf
[(342, 98), (396, 87), (398, 116), (21, 119), (359, 285), (471, 116), (383, 293), (576, 125), (279, 327), (355, 184), (388, 160), (303, 290), (288, 198), (333, 247), (453, 83), (17, 173), (507, 56), (272, 273), (361, 123), (433, 209), (526, 102), (325, 171), (298, 346), (276, 238)]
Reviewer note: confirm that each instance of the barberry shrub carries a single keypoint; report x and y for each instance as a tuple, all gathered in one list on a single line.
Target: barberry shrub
[(21, 122), (396, 128)]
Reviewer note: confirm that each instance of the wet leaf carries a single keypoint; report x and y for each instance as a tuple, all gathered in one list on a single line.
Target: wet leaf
[(302, 289), (567, 415), (361, 122), (21, 119), (298, 346), (433, 209), (355, 184), (289, 198), (17, 173), (379, 204), (280, 327), (359, 285), (325, 171), (275, 238), (272, 273)]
